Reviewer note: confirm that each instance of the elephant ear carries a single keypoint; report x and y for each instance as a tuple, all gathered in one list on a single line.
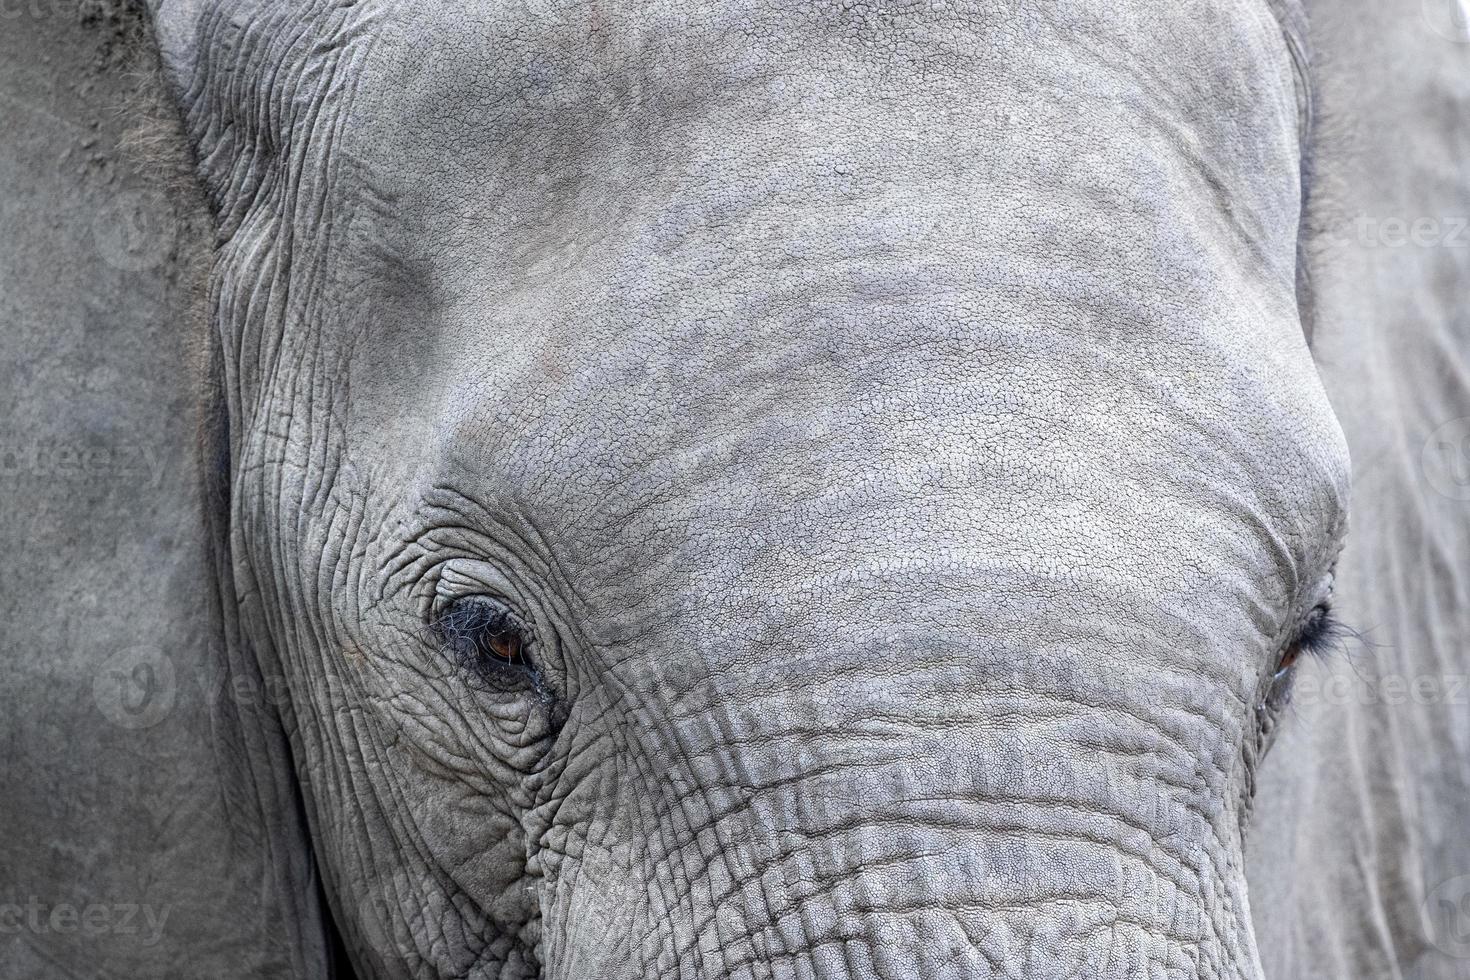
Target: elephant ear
[(152, 825), (1359, 863)]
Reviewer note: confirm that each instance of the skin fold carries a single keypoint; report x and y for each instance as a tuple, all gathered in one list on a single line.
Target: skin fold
[(883, 436)]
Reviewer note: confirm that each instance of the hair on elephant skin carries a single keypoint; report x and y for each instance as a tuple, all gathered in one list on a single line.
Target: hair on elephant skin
[(547, 489)]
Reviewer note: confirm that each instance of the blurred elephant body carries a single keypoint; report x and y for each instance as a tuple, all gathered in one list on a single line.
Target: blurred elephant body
[(757, 491)]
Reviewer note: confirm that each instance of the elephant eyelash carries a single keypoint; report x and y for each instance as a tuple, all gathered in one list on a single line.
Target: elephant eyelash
[(1322, 632), (1321, 635), (484, 639)]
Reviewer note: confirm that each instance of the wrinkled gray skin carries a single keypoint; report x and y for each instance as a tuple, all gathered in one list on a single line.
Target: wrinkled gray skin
[(894, 425)]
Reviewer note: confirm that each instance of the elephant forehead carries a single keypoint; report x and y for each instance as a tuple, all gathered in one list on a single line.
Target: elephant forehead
[(936, 440), (1022, 299), (535, 120), (521, 59), (645, 244)]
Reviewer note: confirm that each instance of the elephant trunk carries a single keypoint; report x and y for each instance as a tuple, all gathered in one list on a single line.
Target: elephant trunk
[(893, 829)]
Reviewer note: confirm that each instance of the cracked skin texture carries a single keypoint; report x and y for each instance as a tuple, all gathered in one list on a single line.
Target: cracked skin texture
[(893, 421)]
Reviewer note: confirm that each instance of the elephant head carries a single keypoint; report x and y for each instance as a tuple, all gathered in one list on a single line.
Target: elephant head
[(769, 490)]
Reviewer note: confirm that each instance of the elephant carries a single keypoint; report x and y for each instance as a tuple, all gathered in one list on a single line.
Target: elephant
[(860, 489)]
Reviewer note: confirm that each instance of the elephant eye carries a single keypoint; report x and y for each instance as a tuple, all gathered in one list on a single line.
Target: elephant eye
[(1318, 634), (483, 636)]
